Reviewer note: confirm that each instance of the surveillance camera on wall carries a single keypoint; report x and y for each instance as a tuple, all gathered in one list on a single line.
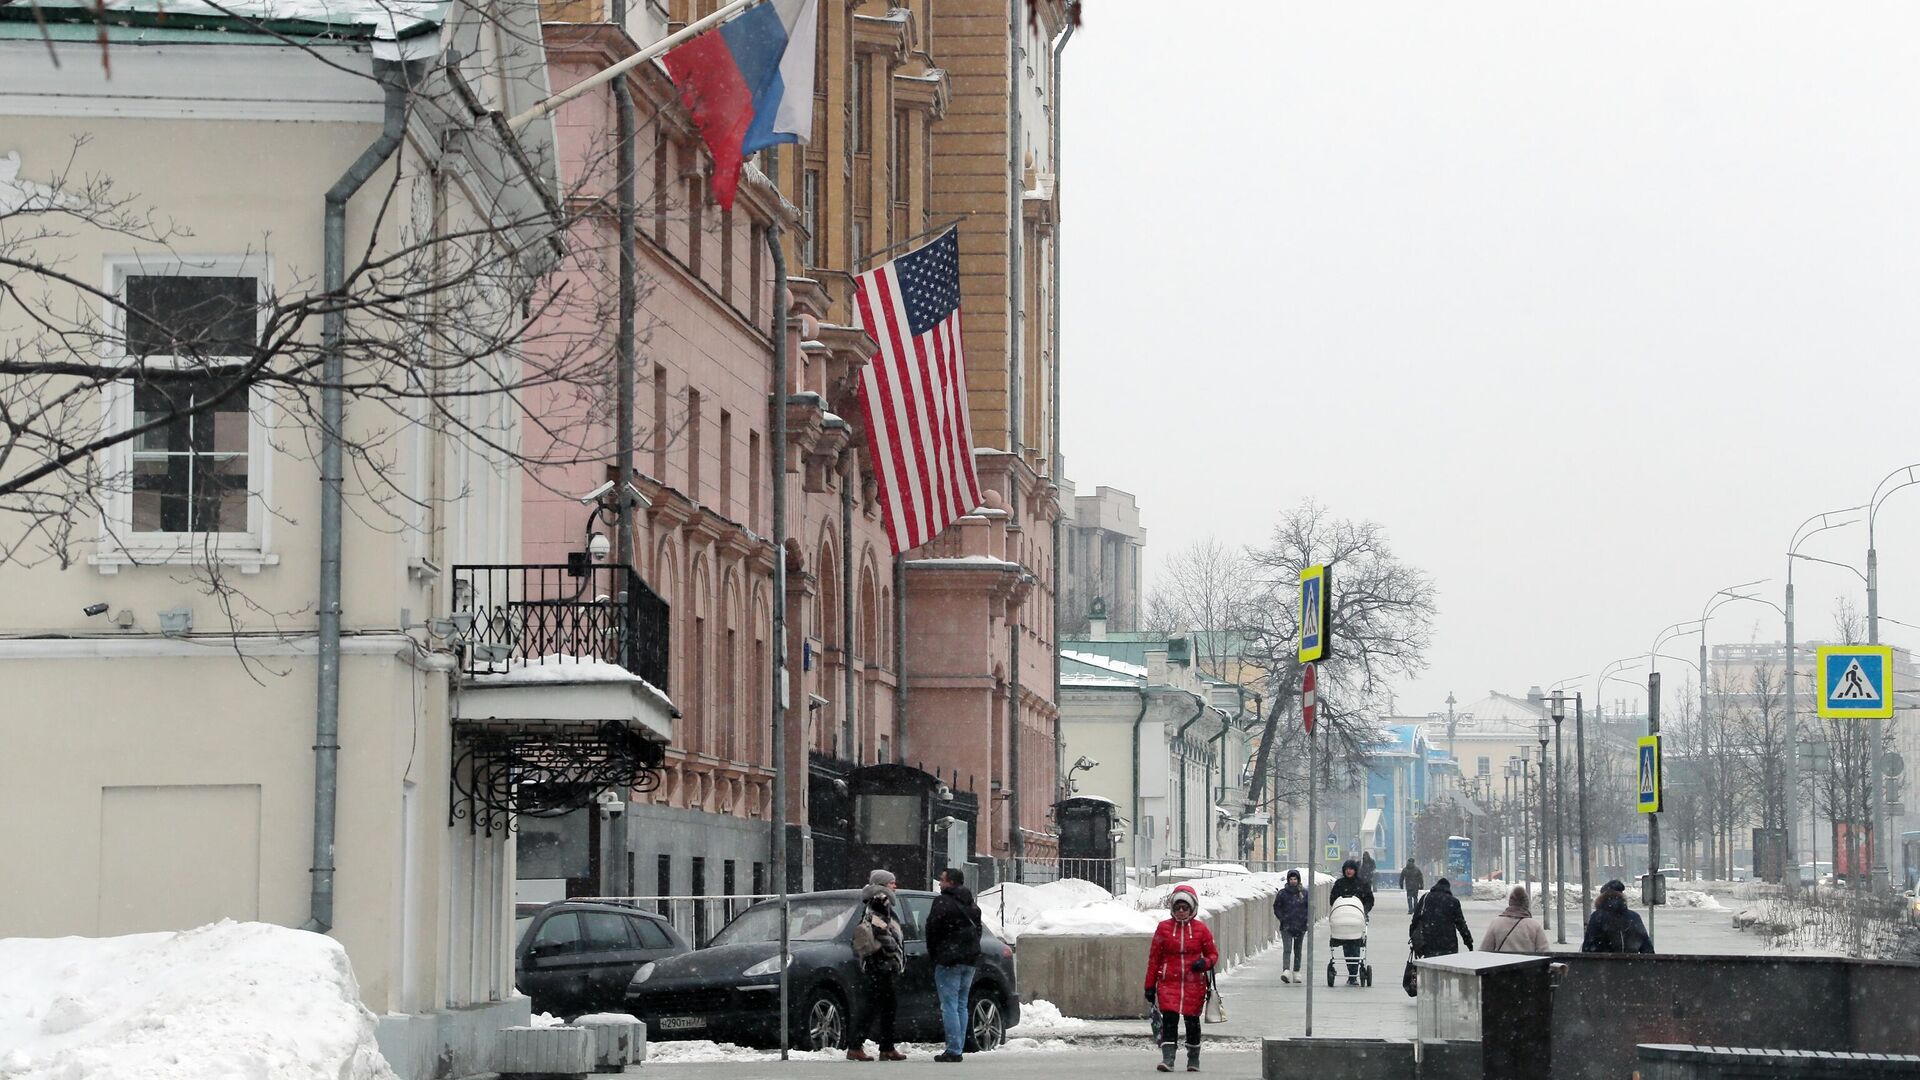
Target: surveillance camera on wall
[(816, 702), (596, 494)]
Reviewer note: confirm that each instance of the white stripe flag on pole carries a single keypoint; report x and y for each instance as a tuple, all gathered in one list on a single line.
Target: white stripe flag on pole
[(914, 392)]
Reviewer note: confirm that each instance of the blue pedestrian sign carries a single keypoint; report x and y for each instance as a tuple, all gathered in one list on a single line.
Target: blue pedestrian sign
[(1855, 682), (1649, 773)]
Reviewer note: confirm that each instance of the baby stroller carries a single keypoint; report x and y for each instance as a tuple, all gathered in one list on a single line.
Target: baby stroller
[(1347, 925)]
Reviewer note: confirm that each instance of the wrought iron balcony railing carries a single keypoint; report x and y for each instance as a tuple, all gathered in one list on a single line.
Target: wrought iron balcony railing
[(529, 616)]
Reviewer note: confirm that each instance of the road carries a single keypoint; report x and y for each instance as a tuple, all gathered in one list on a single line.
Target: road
[(1258, 1005)]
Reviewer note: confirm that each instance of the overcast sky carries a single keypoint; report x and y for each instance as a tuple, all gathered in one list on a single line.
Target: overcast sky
[(1588, 304)]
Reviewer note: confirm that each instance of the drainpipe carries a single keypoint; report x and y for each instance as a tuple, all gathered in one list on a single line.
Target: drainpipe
[(395, 78), (1053, 436), (1180, 742), (1139, 719), (1016, 210), (850, 724)]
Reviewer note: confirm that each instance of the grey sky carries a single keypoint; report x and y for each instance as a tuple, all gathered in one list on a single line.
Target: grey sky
[(1588, 304)]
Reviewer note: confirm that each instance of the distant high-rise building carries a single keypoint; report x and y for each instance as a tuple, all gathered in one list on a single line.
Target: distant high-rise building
[(1103, 545)]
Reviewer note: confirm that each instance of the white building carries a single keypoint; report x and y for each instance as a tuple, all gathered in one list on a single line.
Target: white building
[(171, 760), (1171, 743)]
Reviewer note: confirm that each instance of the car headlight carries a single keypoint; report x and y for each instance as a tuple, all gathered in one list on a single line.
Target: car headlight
[(642, 975), (770, 966)]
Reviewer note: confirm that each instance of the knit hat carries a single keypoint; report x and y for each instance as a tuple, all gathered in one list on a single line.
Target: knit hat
[(1293, 875), (1616, 885), (881, 877)]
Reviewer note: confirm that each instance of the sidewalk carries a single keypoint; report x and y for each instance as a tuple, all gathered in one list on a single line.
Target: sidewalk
[(1259, 1004)]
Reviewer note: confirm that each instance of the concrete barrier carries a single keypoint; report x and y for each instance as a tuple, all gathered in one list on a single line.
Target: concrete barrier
[(1099, 977)]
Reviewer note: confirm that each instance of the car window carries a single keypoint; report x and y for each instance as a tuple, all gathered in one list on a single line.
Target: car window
[(649, 934), (606, 931), (812, 920), (913, 915), (559, 934)]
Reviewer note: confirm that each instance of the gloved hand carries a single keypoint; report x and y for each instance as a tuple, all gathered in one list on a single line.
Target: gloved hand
[(1152, 995), (1200, 964)]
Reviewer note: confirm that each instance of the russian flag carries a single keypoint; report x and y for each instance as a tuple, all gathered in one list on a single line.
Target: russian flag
[(749, 84)]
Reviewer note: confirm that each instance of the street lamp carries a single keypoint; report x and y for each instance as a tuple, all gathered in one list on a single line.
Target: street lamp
[(1714, 603), (1808, 529), (1559, 821), (1546, 858), (1905, 478)]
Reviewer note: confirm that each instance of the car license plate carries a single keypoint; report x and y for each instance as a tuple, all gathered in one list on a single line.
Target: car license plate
[(682, 1023)]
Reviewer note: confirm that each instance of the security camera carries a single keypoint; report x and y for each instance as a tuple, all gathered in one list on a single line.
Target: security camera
[(94, 609), (599, 547), (596, 494), (945, 822), (816, 702), (637, 498)]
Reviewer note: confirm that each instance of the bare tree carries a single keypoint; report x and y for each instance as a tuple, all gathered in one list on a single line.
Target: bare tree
[(1206, 589), (1381, 613)]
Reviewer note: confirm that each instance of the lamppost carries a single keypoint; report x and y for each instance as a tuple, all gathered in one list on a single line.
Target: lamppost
[(1820, 524), (1832, 810), (1722, 597), (1509, 858), (1546, 858), (1559, 826), (1881, 492)]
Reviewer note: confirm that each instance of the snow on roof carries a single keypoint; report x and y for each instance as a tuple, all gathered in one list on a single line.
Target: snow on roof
[(387, 18), (559, 669), (964, 560), (1119, 667)]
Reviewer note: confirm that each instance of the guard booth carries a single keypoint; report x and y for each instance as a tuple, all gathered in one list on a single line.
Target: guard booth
[(892, 817), (1087, 839)]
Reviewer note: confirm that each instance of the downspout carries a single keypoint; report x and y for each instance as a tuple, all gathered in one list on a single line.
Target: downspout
[(1058, 463), (395, 78), (1139, 719), (1180, 743), (850, 724), (777, 459), (629, 292), (1016, 191)]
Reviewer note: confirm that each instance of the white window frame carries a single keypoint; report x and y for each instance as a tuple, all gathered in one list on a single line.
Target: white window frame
[(119, 545)]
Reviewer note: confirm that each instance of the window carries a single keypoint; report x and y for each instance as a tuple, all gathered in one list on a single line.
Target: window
[(727, 884), (662, 147), (726, 255), (914, 911), (753, 479), (1486, 766), (897, 159), (699, 909), (810, 218), (757, 242), (605, 931), (862, 104), (696, 225), (759, 879), (190, 485), (648, 933), (726, 463), (559, 934), (663, 881), (693, 443), (662, 431)]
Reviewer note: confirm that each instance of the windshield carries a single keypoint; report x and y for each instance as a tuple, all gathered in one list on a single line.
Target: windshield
[(811, 920)]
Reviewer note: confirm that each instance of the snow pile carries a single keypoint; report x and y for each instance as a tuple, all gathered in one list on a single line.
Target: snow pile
[(227, 1000), (1041, 1017), (1102, 918), (557, 668), (1692, 899), (1011, 909), (1225, 887), (541, 1020)]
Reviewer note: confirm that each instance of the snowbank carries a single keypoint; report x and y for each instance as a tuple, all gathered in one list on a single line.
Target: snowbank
[(1011, 909), (227, 1000), (1101, 917), (557, 668), (1042, 1018), (1226, 886)]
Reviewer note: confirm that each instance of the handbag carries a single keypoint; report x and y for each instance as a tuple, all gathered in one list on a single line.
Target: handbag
[(1410, 980), (1214, 1011)]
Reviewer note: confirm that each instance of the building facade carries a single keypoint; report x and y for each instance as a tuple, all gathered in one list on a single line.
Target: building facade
[(1104, 544), (180, 736)]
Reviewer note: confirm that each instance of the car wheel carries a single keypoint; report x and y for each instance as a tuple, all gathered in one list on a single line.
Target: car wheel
[(986, 1022), (824, 1021)]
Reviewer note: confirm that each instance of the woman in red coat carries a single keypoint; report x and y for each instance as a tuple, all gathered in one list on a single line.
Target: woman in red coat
[(1177, 966)]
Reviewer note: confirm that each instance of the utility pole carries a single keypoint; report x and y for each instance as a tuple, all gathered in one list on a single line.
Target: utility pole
[(778, 460), (1653, 820), (1559, 821), (1580, 762), (1308, 704)]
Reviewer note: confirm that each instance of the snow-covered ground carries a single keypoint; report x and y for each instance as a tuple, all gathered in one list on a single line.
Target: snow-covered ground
[(1676, 896), (702, 1051), (239, 1000), (1081, 907)]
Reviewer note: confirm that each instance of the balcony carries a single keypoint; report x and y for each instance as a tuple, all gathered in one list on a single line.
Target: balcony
[(562, 692)]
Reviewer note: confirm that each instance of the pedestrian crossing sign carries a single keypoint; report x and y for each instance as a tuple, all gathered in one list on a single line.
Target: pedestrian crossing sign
[(1333, 852), (1855, 682), (1649, 774), (1315, 622)]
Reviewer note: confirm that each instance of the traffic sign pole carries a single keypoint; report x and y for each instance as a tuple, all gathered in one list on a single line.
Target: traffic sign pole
[(1307, 681), (1650, 889)]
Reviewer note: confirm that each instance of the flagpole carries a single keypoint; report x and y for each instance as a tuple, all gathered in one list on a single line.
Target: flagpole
[(665, 44)]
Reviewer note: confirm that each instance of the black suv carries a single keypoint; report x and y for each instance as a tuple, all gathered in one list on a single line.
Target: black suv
[(577, 957), (730, 989)]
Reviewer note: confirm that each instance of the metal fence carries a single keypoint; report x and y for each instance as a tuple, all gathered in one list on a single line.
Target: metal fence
[(1109, 874), (697, 918), (526, 615)]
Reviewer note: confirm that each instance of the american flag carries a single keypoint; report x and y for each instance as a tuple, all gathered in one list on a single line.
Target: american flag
[(914, 392)]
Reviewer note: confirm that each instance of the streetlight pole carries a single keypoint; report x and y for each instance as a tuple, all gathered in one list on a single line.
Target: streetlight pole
[(1906, 478), (1546, 857), (1724, 596), (1526, 815), (1801, 535), (1580, 763), (1559, 826), (1813, 810)]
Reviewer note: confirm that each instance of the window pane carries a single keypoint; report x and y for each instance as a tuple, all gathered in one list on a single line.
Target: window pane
[(561, 933), (606, 932), (179, 315), (650, 935), (160, 493), (219, 494), (190, 473)]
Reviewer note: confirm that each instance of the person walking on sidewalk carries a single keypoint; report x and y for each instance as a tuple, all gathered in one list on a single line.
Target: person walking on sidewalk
[(881, 946), (1350, 883), (1515, 930), (1413, 881), (1178, 961), (1290, 907), (1614, 927), (1437, 922), (953, 943), (1366, 868)]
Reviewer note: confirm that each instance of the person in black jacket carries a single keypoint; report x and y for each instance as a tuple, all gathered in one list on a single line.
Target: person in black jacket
[(1437, 922), (1413, 880), (1366, 868), (1290, 907), (1614, 927), (1350, 883), (953, 943)]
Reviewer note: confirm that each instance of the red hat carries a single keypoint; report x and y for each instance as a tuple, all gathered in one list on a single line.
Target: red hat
[(1184, 892)]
